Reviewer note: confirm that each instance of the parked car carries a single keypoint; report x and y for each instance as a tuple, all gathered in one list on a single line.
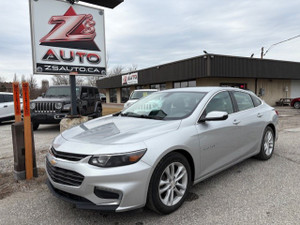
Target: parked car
[(7, 111), (56, 104), (153, 155), (138, 94), (296, 103), (103, 97)]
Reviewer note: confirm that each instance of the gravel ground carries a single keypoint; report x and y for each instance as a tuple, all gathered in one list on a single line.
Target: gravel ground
[(252, 192)]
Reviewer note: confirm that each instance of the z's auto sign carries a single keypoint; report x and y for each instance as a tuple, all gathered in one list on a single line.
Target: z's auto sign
[(67, 39)]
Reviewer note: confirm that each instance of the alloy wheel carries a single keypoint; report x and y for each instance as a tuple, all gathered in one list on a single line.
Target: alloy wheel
[(268, 143), (173, 184)]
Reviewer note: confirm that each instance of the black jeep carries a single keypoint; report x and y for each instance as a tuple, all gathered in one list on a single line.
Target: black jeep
[(56, 104)]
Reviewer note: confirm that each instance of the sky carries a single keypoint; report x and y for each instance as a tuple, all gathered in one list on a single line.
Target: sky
[(148, 33)]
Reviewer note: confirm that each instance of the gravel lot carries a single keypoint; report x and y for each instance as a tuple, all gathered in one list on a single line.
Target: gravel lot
[(252, 192)]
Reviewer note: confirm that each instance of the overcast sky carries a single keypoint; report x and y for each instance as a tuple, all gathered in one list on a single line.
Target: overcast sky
[(148, 33)]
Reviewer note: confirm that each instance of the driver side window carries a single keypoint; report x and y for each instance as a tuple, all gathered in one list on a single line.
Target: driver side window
[(220, 102)]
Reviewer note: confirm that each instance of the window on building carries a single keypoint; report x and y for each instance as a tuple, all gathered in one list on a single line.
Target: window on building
[(125, 92), (140, 87), (183, 84), (159, 87), (236, 85), (113, 95)]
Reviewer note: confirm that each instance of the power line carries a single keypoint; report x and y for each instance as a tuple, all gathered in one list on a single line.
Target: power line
[(289, 39)]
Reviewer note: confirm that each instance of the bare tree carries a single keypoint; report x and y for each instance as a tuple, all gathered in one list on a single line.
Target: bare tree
[(15, 79), (60, 80), (33, 87), (117, 70), (132, 68), (23, 79), (64, 80), (92, 80), (80, 80)]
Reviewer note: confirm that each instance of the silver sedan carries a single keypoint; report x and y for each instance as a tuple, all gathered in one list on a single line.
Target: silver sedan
[(154, 151)]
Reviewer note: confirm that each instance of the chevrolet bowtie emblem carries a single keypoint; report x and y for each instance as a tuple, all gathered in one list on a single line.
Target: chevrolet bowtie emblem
[(53, 162)]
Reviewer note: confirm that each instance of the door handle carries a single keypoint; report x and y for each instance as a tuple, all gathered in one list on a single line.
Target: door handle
[(236, 122), (259, 115), (5, 106)]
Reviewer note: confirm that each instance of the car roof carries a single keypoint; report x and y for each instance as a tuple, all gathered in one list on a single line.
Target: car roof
[(146, 90), (6, 93), (205, 89)]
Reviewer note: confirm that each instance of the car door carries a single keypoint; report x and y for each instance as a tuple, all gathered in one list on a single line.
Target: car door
[(218, 138), (6, 105), (250, 124)]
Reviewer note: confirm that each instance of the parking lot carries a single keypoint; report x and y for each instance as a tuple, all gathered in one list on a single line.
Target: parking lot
[(252, 192)]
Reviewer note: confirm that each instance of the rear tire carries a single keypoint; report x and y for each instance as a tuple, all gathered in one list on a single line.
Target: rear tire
[(35, 125), (297, 105), (170, 184), (267, 145)]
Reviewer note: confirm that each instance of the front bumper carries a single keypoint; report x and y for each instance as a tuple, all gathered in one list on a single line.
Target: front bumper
[(47, 118), (129, 183)]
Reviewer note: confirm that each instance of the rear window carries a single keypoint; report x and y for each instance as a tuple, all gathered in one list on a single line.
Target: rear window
[(256, 101), (243, 100)]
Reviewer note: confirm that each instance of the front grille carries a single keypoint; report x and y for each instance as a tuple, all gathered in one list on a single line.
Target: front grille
[(63, 176), (44, 107), (67, 156)]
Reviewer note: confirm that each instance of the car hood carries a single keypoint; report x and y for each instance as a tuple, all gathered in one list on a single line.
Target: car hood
[(112, 134), (41, 99)]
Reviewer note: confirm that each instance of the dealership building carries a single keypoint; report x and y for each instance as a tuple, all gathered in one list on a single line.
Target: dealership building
[(269, 79)]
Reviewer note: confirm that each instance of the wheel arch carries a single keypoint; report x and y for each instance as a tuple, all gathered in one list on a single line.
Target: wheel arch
[(272, 126), (186, 154)]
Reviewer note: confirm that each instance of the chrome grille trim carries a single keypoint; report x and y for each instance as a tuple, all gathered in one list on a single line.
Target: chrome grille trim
[(63, 176), (67, 156), (45, 107)]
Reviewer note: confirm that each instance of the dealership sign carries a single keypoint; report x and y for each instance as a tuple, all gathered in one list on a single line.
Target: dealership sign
[(130, 79), (67, 39)]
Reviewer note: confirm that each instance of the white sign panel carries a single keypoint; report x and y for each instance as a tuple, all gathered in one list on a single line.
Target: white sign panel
[(67, 39), (130, 79)]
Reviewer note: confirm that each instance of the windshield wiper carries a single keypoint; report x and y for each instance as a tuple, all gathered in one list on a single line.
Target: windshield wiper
[(132, 114)]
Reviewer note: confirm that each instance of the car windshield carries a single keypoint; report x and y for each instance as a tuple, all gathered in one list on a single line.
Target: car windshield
[(60, 92), (165, 105), (140, 94)]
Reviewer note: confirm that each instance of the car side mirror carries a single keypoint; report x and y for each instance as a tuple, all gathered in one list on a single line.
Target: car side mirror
[(215, 116)]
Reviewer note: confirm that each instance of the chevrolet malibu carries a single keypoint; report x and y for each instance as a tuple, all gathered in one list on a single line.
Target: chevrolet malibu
[(154, 151)]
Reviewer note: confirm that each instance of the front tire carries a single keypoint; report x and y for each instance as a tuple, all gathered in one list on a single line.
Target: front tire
[(297, 105), (170, 184), (267, 145)]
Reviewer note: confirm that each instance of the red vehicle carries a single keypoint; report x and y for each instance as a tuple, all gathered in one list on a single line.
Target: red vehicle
[(296, 103)]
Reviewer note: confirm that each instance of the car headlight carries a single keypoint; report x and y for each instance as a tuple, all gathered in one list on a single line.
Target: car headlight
[(117, 160), (67, 107), (32, 105), (58, 105)]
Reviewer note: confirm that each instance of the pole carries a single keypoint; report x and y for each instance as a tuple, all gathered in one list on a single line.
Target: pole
[(262, 53), (73, 95), (16, 91), (27, 132)]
